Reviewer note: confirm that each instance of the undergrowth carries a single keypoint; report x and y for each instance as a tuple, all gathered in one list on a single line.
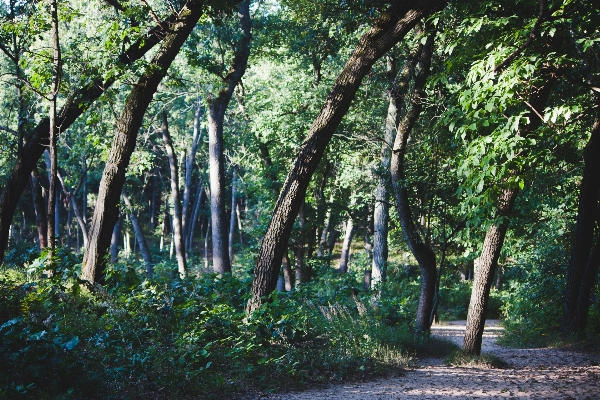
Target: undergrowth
[(174, 338), (460, 358)]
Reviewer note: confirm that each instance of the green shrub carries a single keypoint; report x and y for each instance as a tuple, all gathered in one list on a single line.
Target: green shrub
[(188, 338)]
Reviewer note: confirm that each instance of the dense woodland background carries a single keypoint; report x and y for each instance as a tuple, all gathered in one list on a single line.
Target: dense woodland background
[(220, 196)]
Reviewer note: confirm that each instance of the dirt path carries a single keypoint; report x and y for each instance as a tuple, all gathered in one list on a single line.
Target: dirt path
[(532, 373)]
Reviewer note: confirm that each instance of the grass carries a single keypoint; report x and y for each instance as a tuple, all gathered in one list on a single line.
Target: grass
[(460, 358)]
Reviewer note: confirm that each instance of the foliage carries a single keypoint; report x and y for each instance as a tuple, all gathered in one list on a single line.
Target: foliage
[(191, 337)]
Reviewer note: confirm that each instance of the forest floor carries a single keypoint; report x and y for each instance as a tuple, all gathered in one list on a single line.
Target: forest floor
[(543, 373)]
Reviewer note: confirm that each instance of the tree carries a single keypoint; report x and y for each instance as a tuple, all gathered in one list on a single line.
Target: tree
[(217, 107), (53, 131), (419, 248), (178, 236), (75, 105), (385, 33), (494, 238), (583, 264)]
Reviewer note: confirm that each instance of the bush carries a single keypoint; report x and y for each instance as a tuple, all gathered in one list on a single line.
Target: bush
[(185, 338)]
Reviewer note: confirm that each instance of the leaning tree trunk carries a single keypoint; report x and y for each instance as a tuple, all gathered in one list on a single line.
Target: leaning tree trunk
[(484, 274), (422, 252), (575, 313), (216, 116), (385, 33), (139, 234), (494, 239), (77, 103), (178, 236), (123, 145), (346, 247)]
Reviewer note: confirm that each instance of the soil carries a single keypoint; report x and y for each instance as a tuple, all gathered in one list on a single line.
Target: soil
[(543, 373)]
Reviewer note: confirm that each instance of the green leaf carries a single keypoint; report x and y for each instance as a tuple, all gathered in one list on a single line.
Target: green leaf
[(72, 343)]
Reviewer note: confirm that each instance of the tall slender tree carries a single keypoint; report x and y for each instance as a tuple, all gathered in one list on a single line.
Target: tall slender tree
[(178, 236), (217, 107)]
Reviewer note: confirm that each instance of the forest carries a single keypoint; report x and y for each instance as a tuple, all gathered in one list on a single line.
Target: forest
[(211, 198)]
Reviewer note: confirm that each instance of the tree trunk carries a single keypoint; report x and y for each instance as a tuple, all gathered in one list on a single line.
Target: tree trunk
[(124, 141), (587, 283), (346, 248), (71, 196), (40, 210), (302, 276), (238, 215), (573, 319), (208, 223), (494, 239), (177, 224), (376, 42), (187, 190), (114, 242), (288, 275), (421, 251), (139, 234), (232, 215), (194, 218), (154, 200), (216, 115), (84, 192), (484, 274), (53, 204), (381, 214)]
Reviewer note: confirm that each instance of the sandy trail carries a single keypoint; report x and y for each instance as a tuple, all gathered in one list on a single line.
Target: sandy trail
[(533, 373)]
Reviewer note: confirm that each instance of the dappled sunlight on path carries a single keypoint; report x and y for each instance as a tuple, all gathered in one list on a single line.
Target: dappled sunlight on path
[(532, 374)]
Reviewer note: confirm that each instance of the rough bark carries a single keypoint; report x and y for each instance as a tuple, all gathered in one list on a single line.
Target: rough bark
[(484, 274), (385, 33), (345, 256), (128, 124), (216, 115), (178, 236), (75, 105), (422, 252), (139, 234), (574, 320), (494, 239)]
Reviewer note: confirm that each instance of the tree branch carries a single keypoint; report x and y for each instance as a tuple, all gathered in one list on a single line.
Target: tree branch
[(508, 60)]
